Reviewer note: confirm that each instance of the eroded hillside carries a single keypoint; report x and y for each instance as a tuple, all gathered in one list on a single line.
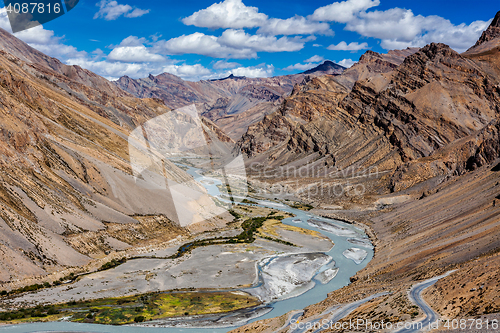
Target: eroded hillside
[(67, 193)]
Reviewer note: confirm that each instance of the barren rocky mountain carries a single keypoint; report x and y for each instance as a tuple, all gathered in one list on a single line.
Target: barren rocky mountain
[(233, 103), (372, 63), (228, 102), (432, 99)]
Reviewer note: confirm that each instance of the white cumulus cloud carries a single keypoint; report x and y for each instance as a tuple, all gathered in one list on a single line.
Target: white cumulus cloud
[(315, 58), (239, 39), (297, 25), (134, 54), (300, 67), (234, 14), (199, 43), (400, 28), (222, 64), (346, 63), (261, 70), (227, 14), (343, 46), (189, 72), (232, 43), (344, 11), (132, 49), (133, 41), (137, 12), (111, 10)]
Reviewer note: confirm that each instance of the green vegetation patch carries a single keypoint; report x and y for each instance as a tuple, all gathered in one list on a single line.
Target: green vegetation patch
[(250, 230), (249, 202), (302, 206), (136, 309), (112, 264), (37, 312), (36, 286)]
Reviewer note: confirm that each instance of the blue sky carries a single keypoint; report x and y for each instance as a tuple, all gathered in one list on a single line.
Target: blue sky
[(209, 39)]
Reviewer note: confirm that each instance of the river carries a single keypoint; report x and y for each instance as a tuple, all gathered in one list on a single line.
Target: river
[(340, 233)]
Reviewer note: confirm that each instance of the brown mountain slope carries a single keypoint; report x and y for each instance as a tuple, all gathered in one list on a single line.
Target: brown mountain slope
[(23, 51), (372, 63), (259, 139), (67, 193), (310, 123), (434, 98)]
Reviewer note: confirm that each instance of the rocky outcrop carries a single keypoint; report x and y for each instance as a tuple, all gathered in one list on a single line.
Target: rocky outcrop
[(462, 156), (278, 128), (310, 129), (492, 32), (372, 63)]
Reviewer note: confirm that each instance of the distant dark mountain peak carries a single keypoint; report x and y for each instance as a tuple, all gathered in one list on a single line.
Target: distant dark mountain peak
[(492, 32), (231, 76), (327, 67)]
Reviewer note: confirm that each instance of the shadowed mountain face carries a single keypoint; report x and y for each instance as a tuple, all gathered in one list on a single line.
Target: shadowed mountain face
[(327, 67)]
